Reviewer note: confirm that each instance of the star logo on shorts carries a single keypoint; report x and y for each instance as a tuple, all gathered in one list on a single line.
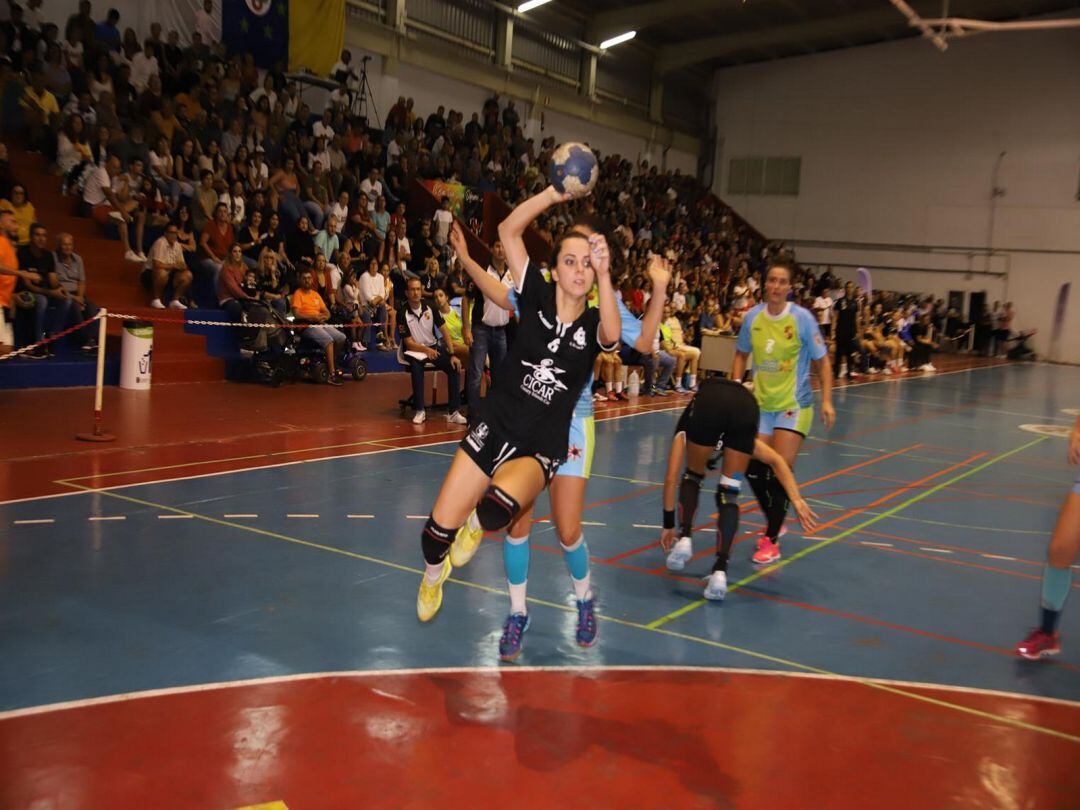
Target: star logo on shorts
[(574, 453), (789, 414)]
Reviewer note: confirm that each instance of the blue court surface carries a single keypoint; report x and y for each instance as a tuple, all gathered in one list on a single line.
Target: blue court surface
[(936, 505)]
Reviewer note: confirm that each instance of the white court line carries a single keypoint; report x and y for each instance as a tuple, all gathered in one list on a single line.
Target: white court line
[(240, 516), (872, 543), (175, 517), (416, 517), (34, 522), (107, 517), (503, 672), (646, 526), (300, 516), (999, 557), (360, 517), (592, 523), (935, 550)]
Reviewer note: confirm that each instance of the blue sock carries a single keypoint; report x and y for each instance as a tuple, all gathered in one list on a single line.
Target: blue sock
[(577, 563), (1055, 590), (516, 561)]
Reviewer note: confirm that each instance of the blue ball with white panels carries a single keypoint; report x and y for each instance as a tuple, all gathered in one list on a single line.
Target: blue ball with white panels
[(574, 169)]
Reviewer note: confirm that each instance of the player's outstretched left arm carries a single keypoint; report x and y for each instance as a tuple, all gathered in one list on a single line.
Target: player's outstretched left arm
[(491, 287), (610, 322), (659, 271), (783, 473)]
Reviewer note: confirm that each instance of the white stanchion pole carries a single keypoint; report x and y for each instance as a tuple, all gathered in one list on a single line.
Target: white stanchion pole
[(98, 435)]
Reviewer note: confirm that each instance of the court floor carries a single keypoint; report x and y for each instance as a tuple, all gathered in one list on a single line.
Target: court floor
[(249, 637)]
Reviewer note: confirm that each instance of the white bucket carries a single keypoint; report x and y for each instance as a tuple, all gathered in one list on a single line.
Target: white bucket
[(633, 385), (136, 349)]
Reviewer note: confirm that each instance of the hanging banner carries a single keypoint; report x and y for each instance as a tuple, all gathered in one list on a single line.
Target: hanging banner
[(455, 191)]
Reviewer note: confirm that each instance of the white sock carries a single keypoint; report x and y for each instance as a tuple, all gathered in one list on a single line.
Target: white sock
[(433, 572), (618, 388), (518, 603), (609, 386), (693, 380)]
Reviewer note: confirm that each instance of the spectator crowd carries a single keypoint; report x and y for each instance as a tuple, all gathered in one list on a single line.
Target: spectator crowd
[(229, 191)]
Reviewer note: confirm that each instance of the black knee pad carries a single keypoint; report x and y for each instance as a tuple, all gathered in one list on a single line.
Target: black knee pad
[(496, 510), (435, 541)]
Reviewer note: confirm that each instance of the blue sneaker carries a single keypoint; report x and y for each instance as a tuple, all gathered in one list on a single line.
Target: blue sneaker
[(512, 637), (586, 622)]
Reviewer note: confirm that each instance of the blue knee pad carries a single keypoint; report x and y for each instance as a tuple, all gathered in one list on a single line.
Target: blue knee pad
[(496, 510)]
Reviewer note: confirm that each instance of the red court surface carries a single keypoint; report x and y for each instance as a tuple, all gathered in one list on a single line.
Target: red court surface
[(527, 738)]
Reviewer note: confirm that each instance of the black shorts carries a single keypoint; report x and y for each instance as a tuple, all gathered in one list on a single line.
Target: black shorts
[(490, 449), (721, 411), (826, 329)]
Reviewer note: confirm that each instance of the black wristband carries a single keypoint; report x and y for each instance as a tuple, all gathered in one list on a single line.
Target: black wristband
[(669, 518)]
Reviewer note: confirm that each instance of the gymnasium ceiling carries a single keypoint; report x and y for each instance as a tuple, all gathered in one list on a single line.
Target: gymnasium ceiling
[(722, 33)]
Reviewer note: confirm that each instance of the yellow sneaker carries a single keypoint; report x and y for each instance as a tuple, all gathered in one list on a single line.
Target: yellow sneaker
[(466, 542), (429, 598)]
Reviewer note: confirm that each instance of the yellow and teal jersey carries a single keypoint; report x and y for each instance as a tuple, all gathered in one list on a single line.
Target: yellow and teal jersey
[(782, 347)]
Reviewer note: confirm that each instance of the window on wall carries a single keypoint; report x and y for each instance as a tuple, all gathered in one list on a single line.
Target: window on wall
[(764, 175)]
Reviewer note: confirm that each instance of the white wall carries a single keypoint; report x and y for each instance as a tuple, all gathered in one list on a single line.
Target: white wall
[(899, 145)]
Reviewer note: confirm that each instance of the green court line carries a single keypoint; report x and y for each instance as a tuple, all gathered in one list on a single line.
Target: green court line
[(868, 682), (675, 614)]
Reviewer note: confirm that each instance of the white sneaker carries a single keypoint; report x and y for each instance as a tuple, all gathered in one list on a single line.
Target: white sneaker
[(419, 417), (132, 256), (116, 216), (176, 304), (156, 304), (680, 554), (457, 419), (929, 367), (358, 346), (716, 589)]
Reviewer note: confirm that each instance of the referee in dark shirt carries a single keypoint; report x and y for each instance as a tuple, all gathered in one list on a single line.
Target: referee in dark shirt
[(845, 326)]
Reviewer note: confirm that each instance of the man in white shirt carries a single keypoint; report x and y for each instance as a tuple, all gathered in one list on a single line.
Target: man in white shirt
[(372, 188), (322, 128), (143, 65), (343, 70), (441, 222), (822, 307), (167, 263), (373, 305), (208, 23), (420, 328), (483, 328), (107, 209)]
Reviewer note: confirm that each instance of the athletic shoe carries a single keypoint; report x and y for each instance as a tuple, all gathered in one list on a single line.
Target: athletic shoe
[(661, 392), (680, 554), (512, 636), (612, 396), (929, 367), (90, 346), (156, 304), (357, 346), (429, 597), (176, 303), (132, 256), (716, 589), (679, 389), (335, 380), (599, 396), (457, 419), (586, 622), (767, 552), (466, 542), (621, 396), (1038, 644), (419, 417)]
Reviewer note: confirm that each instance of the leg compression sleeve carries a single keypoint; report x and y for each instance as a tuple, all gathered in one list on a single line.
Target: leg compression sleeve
[(1055, 587), (778, 508), (759, 474), (577, 558), (688, 500), (516, 559), (435, 541), (727, 519), (496, 510)]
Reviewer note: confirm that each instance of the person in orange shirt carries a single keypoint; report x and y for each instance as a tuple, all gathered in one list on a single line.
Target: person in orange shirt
[(308, 307), (9, 275)]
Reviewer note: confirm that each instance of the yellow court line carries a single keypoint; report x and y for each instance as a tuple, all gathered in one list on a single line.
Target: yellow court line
[(675, 614), (1004, 719)]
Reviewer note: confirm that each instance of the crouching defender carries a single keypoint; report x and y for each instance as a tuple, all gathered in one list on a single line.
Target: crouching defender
[(722, 417)]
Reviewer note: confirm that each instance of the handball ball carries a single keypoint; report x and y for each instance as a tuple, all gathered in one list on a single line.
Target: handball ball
[(574, 169)]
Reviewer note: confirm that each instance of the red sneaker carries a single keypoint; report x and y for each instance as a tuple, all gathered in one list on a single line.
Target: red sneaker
[(621, 396), (612, 396), (767, 551), (1038, 644)]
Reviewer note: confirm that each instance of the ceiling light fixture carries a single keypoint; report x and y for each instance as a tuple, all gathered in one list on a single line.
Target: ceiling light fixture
[(621, 38), (529, 5)]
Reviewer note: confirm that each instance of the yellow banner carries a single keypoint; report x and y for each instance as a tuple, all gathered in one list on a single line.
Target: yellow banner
[(316, 34)]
